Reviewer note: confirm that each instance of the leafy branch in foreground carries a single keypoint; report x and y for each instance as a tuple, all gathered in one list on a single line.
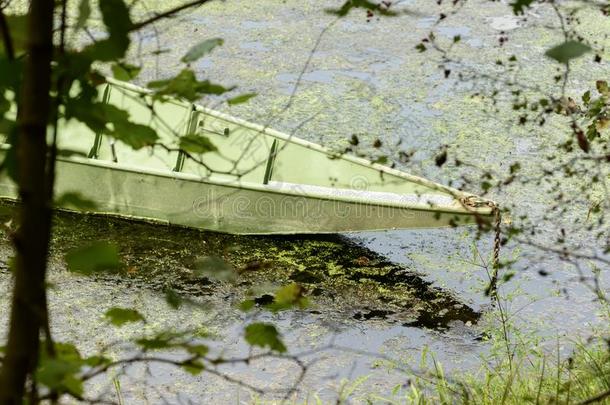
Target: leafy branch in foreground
[(49, 80)]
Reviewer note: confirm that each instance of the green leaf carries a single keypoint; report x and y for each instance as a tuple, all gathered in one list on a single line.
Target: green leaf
[(95, 361), (201, 49), (84, 12), (121, 316), (196, 144), (421, 47), (519, 6), (135, 135), (17, 26), (74, 199), (163, 340), (9, 164), (602, 87), (7, 126), (125, 71), (60, 373), (5, 104), (567, 51), (98, 116), (193, 367), (173, 299), (115, 15), (382, 160), (99, 256), (10, 74), (364, 4), (264, 335), (288, 297), (199, 350), (246, 305), (185, 85), (242, 98)]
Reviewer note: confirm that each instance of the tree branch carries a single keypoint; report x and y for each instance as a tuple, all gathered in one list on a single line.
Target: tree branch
[(167, 14)]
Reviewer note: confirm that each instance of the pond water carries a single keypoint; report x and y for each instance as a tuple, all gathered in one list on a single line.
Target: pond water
[(394, 292)]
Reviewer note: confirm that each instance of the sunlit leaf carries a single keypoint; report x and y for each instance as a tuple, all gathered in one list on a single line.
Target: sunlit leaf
[(95, 361), (125, 71), (99, 256), (287, 297), (567, 51), (201, 49), (246, 305), (602, 87), (382, 160), (264, 335), (242, 98), (120, 316)]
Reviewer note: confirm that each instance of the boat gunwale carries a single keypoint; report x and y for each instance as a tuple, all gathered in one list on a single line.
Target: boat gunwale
[(457, 194), (485, 211)]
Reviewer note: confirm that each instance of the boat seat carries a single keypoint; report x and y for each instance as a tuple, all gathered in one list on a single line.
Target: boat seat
[(243, 153)]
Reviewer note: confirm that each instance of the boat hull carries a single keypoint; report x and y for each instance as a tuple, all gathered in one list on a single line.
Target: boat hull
[(237, 208)]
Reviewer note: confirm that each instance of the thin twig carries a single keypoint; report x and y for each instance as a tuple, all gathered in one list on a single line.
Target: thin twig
[(166, 14)]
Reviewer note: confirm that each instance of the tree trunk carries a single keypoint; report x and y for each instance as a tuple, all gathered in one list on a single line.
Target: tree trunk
[(28, 310)]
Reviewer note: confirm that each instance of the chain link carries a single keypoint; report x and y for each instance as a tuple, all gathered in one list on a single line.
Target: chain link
[(473, 201)]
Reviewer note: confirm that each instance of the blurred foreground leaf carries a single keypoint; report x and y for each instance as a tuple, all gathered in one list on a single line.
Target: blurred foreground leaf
[(201, 49), (74, 199), (264, 335), (214, 268), (567, 51), (242, 98), (99, 256), (196, 144), (120, 316)]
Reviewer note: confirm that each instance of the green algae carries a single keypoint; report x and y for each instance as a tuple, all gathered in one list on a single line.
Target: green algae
[(338, 275)]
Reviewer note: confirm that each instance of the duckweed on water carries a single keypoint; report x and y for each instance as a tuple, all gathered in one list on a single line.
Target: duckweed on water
[(339, 276)]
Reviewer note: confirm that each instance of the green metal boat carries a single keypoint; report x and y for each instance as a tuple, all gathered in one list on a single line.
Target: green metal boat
[(259, 181)]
